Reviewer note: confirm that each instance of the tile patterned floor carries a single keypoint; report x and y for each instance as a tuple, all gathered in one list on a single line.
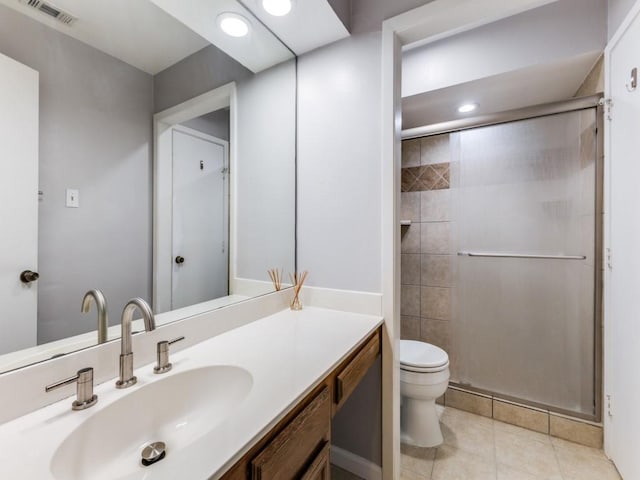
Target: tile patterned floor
[(479, 448)]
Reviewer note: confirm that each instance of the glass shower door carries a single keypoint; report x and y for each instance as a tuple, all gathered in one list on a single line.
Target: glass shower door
[(524, 203)]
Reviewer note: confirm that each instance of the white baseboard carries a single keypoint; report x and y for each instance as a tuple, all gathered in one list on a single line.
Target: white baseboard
[(351, 462)]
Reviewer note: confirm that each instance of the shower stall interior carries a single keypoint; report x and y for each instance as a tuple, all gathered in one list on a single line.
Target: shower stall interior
[(525, 235)]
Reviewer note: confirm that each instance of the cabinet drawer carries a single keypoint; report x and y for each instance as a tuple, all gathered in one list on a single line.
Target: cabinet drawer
[(320, 469), (351, 375), (289, 454)]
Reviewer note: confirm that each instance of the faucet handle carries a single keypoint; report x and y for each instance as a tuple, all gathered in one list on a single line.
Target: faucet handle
[(163, 364), (84, 381)]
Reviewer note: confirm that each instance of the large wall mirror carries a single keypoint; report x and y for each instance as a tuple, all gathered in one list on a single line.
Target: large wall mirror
[(145, 154)]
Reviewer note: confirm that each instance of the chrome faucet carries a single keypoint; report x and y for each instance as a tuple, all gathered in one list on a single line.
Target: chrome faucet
[(126, 355), (101, 305)]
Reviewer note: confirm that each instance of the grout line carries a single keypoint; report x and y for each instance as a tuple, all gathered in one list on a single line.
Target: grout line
[(433, 464), (555, 454), (495, 446)]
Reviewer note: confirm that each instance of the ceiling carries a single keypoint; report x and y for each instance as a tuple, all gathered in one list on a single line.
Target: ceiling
[(535, 85), (136, 32), (145, 33), (257, 51), (309, 25)]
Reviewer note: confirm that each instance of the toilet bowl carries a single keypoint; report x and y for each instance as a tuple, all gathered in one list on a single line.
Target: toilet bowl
[(424, 376)]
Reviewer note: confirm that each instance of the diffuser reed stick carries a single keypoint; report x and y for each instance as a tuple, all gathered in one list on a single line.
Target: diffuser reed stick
[(298, 280), (276, 278)]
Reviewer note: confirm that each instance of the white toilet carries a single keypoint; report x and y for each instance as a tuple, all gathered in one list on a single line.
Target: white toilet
[(424, 376)]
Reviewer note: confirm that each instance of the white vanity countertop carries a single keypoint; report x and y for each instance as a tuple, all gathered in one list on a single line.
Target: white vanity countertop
[(287, 354)]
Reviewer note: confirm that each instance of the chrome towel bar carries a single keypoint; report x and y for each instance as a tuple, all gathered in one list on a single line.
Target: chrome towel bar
[(517, 255)]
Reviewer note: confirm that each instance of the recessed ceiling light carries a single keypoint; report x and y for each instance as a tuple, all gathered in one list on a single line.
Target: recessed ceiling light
[(467, 107), (233, 24), (277, 8)]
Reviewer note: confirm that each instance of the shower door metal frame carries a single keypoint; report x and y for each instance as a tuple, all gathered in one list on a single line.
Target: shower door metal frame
[(571, 105)]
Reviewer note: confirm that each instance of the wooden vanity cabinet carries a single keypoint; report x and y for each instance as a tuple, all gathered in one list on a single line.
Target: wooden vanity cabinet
[(298, 447), (293, 452)]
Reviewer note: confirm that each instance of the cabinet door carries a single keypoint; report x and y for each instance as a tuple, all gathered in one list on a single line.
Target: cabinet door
[(320, 469), (288, 454)]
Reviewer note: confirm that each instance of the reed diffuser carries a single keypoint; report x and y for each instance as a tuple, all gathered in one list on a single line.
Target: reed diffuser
[(276, 278), (298, 280)]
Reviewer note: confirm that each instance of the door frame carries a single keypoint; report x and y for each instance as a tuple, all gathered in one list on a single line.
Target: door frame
[(434, 21), (225, 146), (609, 387), (163, 123)]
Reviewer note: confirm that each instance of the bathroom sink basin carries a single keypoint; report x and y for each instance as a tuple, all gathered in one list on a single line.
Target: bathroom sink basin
[(176, 410)]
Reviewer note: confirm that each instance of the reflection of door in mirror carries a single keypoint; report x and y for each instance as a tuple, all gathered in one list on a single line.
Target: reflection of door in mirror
[(18, 203), (200, 218)]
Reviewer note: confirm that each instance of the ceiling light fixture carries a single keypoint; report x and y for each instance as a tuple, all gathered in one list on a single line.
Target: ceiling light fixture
[(233, 24), (467, 107), (277, 8)]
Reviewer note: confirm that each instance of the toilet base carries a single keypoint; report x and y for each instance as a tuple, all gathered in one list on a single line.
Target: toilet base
[(423, 429)]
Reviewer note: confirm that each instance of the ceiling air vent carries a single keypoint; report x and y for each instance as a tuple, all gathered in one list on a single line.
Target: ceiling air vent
[(49, 9)]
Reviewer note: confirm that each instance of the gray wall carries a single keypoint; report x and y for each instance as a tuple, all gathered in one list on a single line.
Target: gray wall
[(339, 164), (214, 123), (205, 70), (95, 136), (618, 10)]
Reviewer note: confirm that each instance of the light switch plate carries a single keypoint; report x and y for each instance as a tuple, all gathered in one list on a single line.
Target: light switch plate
[(73, 198)]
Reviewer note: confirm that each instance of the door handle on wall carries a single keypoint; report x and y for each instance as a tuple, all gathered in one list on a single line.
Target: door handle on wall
[(179, 260), (28, 276)]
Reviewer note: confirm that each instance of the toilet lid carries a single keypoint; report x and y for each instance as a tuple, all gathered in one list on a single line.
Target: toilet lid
[(421, 354)]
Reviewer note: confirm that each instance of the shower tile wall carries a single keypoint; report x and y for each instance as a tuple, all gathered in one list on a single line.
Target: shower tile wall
[(427, 260)]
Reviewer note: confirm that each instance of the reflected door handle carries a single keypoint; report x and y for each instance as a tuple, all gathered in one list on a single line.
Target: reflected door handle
[(28, 276), (179, 260)]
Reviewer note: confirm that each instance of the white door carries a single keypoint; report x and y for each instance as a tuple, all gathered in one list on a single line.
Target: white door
[(200, 218), (622, 301), (18, 204)]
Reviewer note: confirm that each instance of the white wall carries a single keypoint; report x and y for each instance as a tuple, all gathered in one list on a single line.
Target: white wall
[(339, 182), (617, 10), (264, 175), (539, 36)]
